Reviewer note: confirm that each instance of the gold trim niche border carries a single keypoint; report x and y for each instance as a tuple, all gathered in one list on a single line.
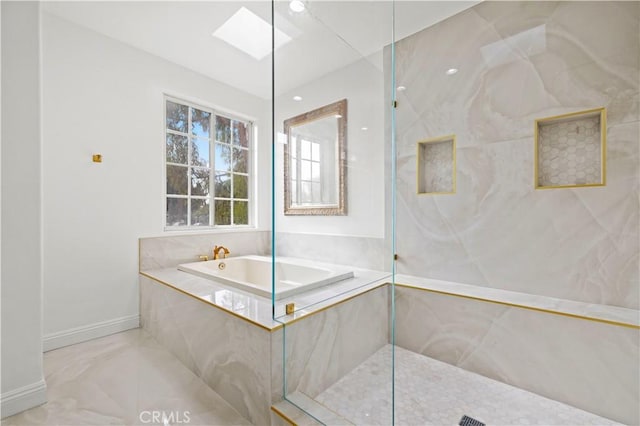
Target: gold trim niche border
[(602, 112)]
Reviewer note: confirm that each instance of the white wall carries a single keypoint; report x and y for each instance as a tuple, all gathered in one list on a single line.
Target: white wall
[(102, 96), (361, 83), (22, 381)]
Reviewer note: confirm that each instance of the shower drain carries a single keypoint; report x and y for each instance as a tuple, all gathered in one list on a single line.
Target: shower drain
[(468, 421)]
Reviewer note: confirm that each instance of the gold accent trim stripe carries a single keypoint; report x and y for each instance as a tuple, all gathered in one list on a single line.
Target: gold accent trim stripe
[(264, 327), (454, 171), (139, 255), (531, 308), (603, 148), (603, 133), (284, 416), (582, 185)]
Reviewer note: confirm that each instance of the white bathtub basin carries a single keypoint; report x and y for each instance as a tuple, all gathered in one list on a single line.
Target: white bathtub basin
[(253, 274)]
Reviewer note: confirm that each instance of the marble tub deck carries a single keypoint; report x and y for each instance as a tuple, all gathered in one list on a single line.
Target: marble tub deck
[(258, 310), (112, 380)]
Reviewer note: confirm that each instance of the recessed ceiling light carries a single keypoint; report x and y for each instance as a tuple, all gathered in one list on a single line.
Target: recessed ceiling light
[(297, 98), (250, 33), (401, 88), (452, 71), (296, 6), (365, 128)]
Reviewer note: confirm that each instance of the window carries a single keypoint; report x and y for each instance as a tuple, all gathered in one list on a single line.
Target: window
[(207, 167), (305, 157)]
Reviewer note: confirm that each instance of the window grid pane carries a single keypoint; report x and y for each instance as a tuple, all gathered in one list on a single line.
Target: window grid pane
[(207, 164)]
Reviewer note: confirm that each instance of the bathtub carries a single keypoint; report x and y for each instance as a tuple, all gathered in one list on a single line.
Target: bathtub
[(253, 274)]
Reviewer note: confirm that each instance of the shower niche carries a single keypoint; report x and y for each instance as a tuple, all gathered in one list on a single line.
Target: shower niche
[(570, 150), (436, 165)]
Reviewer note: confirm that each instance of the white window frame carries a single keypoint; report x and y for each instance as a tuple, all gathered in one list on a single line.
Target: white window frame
[(311, 160), (215, 112)]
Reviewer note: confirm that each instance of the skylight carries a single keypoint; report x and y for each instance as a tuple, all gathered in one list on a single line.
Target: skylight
[(248, 32)]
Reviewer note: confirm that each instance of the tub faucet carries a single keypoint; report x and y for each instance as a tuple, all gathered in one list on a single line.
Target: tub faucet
[(217, 250)]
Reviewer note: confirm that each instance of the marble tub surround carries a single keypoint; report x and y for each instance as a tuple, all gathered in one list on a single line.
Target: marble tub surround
[(587, 364), (169, 251), (242, 360), (226, 352), (112, 380), (519, 61)]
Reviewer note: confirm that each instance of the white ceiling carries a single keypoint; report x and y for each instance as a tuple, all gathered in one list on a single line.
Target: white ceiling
[(327, 36)]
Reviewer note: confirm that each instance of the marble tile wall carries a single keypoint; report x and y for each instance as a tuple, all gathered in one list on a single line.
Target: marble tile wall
[(519, 61), (590, 365), (170, 251), (362, 252), (243, 362)]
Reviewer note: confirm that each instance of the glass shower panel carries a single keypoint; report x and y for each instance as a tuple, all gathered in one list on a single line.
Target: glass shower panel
[(512, 156), (331, 236)]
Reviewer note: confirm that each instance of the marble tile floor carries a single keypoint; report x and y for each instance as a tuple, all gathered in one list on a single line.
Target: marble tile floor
[(431, 392), (124, 379)]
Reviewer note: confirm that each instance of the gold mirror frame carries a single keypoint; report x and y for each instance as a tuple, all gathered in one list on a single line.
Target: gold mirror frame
[(338, 108)]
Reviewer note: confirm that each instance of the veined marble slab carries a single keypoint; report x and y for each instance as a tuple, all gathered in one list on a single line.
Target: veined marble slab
[(519, 61), (226, 352)]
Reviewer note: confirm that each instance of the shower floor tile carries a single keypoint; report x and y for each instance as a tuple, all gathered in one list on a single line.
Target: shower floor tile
[(431, 392)]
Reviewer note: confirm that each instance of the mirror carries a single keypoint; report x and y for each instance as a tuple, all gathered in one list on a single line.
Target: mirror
[(314, 162)]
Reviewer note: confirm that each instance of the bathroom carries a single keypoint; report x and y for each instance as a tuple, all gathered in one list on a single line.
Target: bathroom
[(494, 275)]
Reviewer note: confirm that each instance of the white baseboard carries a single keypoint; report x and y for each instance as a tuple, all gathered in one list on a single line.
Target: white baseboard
[(89, 332), (17, 400)]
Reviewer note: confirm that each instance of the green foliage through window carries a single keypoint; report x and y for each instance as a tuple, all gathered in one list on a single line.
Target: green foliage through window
[(207, 167)]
